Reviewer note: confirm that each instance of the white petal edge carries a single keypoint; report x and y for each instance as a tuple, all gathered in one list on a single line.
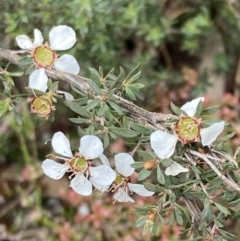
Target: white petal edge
[(175, 169), (91, 147), (103, 175), (163, 143), (67, 63), (210, 134), (61, 144), (122, 196), (101, 188), (38, 80), (24, 42), (62, 37), (38, 38), (140, 190), (104, 160), (191, 107), (53, 169), (81, 185), (67, 95), (123, 162)]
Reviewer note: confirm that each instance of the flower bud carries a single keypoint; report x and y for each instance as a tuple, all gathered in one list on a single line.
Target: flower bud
[(149, 165), (42, 106)]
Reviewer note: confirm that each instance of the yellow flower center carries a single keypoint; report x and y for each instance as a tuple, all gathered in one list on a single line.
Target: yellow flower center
[(187, 129), (79, 164), (119, 180), (44, 57)]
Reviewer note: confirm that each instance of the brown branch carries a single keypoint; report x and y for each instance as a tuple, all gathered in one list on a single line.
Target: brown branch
[(79, 82)]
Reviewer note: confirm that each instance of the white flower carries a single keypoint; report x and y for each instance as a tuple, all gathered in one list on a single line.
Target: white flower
[(164, 143), (80, 164), (44, 56), (122, 184)]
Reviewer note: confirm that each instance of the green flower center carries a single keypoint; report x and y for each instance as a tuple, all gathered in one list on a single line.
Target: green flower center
[(79, 164), (119, 180), (44, 57), (187, 129), (42, 106)]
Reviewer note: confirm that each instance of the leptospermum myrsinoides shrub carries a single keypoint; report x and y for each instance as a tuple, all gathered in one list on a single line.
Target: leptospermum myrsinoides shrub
[(183, 161)]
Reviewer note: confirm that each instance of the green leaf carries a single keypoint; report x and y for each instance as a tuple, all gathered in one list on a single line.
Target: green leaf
[(78, 91), (199, 109), (207, 212), (171, 218), (172, 198), (210, 122), (129, 76), (137, 165), (119, 80), (138, 94), (141, 210), (94, 87), (140, 222), (175, 109), (133, 78), (130, 93), (92, 104), (154, 188), (236, 153), (96, 78), (227, 235), (25, 61), (145, 155), (106, 140), (140, 128), (102, 110), (227, 137), (117, 108), (78, 120), (154, 227), (123, 132), (222, 209), (178, 216), (167, 162), (210, 110), (144, 174), (77, 109), (160, 176)]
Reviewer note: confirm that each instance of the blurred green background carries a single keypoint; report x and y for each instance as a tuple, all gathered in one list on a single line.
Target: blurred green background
[(185, 48)]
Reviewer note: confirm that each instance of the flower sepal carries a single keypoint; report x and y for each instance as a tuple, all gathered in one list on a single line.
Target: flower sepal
[(42, 105)]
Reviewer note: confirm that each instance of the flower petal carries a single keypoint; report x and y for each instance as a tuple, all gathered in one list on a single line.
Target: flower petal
[(24, 42), (101, 188), (103, 175), (53, 169), (61, 144), (122, 196), (210, 134), (62, 37), (81, 185), (175, 169), (67, 63), (123, 162), (191, 107), (38, 38), (67, 95), (38, 80), (140, 190), (104, 160), (163, 143), (90, 147)]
